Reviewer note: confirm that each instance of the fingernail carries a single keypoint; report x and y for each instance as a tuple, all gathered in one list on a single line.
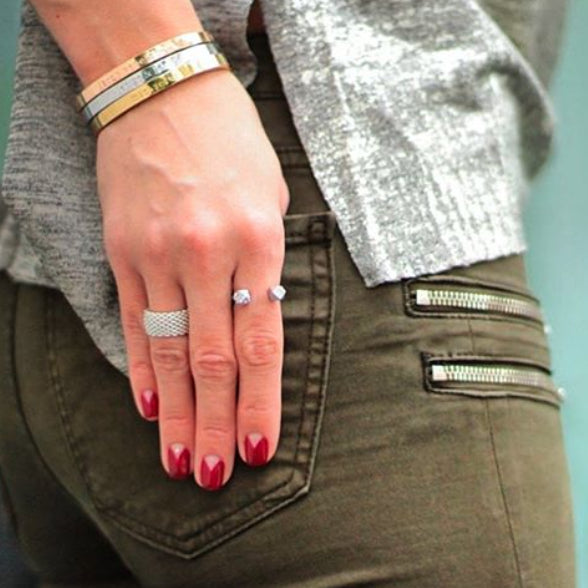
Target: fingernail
[(256, 448), (178, 459), (212, 469), (149, 403)]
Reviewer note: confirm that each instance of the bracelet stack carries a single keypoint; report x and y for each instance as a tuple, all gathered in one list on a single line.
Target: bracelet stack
[(147, 74)]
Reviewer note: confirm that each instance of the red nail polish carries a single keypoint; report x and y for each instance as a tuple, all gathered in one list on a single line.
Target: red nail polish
[(256, 449), (149, 403), (178, 459), (212, 469)]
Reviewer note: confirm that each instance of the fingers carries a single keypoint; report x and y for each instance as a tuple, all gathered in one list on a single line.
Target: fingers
[(214, 368), (191, 382), (132, 300), (170, 357), (258, 336)]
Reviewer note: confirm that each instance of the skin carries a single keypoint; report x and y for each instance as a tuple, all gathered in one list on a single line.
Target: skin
[(193, 199)]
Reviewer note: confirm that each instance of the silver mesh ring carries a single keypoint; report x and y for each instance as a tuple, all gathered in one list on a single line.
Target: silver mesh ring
[(173, 323)]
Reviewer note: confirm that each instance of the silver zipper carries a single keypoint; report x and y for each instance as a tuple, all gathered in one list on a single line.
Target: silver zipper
[(499, 374), (492, 301)]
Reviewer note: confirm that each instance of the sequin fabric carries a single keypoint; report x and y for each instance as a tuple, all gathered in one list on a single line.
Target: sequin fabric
[(424, 123)]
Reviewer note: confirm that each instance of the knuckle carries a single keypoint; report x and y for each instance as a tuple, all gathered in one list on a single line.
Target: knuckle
[(257, 408), (259, 350), (217, 431), (261, 233), (140, 367), (133, 325), (177, 421), (169, 358), (202, 236), (155, 244), (115, 243), (215, 365)]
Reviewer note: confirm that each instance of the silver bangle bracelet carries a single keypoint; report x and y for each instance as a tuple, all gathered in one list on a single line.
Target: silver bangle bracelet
[(135, 63), (160, 83), (144, 75)]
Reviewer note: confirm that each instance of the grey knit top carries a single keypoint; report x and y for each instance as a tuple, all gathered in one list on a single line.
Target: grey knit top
[(423, 123)]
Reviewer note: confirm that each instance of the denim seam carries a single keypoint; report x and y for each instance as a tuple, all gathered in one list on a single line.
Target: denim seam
[(154, 532), (496, 463), (311, 334), (57, 387), (10, 336), (500, 481), (448, 315), (59, 487), (298, 234), (8, 507), (520, 395), (322, 365), (493, 356), (472, 281), (47, 469), (267, 95)]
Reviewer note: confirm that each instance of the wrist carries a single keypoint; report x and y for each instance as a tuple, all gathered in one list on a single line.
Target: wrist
[(196, 96), (98, 36)]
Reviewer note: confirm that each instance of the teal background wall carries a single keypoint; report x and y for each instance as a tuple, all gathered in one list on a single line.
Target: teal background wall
[(8, 29), (557, 231), (556, 221)]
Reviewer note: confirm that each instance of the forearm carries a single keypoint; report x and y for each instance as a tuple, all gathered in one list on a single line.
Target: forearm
[(98, 35)]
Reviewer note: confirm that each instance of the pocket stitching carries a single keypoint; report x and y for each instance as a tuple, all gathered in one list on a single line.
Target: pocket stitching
[(472, 281), (72, 444)]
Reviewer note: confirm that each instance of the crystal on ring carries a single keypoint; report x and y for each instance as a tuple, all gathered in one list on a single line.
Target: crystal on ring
[(242, 296), (277, 292)]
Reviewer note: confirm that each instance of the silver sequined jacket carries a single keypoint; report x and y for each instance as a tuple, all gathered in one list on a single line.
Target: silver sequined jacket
[(424, 122)]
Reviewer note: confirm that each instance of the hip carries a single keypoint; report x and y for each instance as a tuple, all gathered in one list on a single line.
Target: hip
[(421, 439)]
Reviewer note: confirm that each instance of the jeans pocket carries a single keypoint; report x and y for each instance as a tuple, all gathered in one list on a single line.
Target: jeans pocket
[(116, 452)]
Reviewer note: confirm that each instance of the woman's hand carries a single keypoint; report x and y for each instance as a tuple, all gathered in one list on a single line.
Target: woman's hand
[(193, 199)]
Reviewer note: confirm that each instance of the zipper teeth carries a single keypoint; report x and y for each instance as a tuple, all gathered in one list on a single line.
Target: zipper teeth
[(492, 375), (478, 301)]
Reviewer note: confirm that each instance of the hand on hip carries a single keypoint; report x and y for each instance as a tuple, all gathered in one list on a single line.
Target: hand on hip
[(193, 199)]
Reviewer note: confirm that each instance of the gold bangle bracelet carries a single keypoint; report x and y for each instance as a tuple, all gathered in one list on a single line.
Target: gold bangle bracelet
[(156, 85), (133, 64)]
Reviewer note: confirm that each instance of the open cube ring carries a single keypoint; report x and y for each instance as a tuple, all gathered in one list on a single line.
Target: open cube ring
[(243, 296)]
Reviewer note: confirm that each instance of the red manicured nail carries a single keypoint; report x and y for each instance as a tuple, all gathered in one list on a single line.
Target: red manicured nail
[(178, 459), (212, 469), (256, 449), (149, 403)]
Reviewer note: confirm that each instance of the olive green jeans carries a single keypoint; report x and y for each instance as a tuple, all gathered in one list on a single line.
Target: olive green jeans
[(421, 440)]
